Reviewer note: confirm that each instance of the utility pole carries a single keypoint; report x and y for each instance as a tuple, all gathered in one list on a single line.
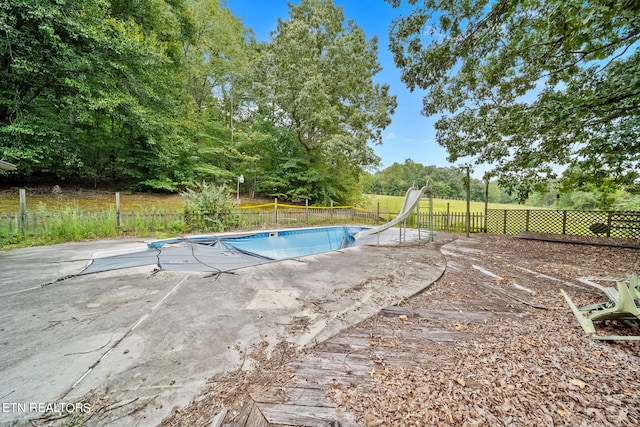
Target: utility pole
[(468, 226)]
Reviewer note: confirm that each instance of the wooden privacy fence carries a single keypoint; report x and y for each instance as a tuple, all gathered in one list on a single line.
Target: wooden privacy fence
[(578, 223)]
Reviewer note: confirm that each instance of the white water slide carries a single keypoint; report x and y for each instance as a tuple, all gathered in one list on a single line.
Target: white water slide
[(411, 200)]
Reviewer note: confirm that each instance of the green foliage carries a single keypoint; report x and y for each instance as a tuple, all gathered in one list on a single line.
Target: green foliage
[(449, 183), (61, 225), (209, 208), (157, 94), (315, 80), (162, 185), (108, 90), (70, 223), (530, 86), (627, 202), (446, 183)]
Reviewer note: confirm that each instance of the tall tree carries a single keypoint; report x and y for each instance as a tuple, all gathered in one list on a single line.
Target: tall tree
[(216, 64), (534, 86), (42, 65), (85, 88), (318, 83)]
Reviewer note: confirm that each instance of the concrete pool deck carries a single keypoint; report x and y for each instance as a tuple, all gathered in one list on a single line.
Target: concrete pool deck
[(133, 344)]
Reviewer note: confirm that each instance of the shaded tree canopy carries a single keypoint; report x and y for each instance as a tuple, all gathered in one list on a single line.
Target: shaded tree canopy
[(536, 87), (163, 94), (317, 83)]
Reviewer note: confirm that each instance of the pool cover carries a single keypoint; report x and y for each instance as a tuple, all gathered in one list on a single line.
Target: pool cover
[(225, 253)]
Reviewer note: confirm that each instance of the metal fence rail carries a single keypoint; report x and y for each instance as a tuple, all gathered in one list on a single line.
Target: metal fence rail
[(577, 223), (304, 216), (38, 224)]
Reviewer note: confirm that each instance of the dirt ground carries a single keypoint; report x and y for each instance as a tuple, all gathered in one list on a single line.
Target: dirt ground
[(514, 354)]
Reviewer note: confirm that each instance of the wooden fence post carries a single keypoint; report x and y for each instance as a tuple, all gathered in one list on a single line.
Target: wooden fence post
[(486, 200), (118, 213), (504, 223), (448, 219), (468, 215), (23, 210)]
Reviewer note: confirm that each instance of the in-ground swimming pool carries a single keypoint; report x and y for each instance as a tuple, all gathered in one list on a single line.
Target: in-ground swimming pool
[(228, 252), (283, 244)]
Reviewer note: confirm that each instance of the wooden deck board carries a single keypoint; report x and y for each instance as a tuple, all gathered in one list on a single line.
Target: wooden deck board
[(309, 416), (395, 311), (256, 418), (238, 418), (350, 358), (298, 396)]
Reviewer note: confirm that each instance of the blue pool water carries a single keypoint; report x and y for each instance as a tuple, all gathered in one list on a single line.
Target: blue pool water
[(285, 244)]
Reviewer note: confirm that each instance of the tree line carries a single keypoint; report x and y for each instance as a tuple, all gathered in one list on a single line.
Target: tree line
[(442, 182), (165, 94), (160, 95), (451, 183)]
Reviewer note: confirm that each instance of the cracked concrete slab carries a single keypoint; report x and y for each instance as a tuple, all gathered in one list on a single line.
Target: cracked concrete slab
[(133, 344)]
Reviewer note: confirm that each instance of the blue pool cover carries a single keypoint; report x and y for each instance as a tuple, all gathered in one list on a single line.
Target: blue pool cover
[(294, 243), (227, 252)]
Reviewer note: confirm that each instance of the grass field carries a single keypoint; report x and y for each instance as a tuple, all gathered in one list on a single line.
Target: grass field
[(93, 200), (394, 203), (88, 200)]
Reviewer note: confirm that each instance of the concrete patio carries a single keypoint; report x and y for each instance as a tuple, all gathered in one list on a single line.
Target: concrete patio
[(141, 342)]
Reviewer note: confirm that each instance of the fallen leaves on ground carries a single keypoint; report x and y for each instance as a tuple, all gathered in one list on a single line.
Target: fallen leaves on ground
[(536, 369), (514, 364)]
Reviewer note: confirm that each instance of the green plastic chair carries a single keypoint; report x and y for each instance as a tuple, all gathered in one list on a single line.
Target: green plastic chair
[(621, 307)]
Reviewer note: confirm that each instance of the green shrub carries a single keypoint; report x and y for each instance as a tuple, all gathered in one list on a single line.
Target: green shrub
[(209, 208)]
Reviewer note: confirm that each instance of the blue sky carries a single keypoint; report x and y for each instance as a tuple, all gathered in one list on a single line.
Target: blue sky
[(410, 135)]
